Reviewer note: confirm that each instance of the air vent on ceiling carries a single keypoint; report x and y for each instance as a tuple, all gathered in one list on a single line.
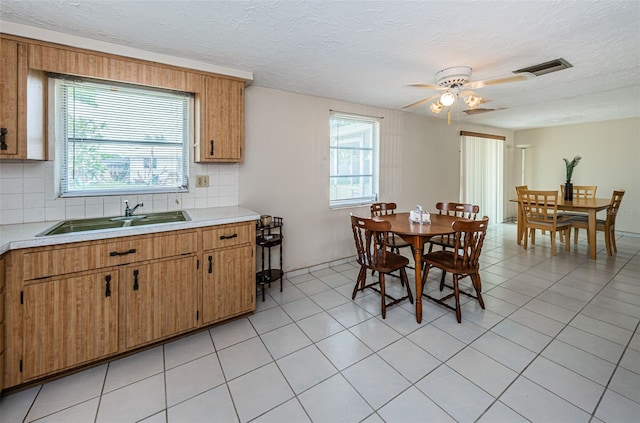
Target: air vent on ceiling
[(478, 111), (546, 67)]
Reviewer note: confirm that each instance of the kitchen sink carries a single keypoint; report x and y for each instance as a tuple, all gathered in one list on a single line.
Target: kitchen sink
[(101, 223)]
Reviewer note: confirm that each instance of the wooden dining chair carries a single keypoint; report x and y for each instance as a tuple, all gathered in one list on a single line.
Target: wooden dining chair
[(467, 211), (370, 238), (608, 225), (579, 192), (461, 262), (540, 211), (394, 242), (520, 235)]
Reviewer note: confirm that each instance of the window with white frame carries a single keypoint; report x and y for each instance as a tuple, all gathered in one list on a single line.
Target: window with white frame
[(114, 138), (354, 143)]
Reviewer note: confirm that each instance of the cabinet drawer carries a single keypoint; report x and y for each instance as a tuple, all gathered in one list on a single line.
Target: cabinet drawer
[(228, 235), (43, 263)]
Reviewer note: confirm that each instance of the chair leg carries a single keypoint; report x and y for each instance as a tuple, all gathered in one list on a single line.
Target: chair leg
[(607, 240), (575, 235), (425, 274), (477, 285), (533, 236), (382, 296), (442, 280), (403, 276), (456, 294), (567, 236), (553, 243), (362, 275), (613, 238), (526, 237)]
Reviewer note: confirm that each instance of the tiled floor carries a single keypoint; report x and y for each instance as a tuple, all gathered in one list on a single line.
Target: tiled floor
[(558, 342)]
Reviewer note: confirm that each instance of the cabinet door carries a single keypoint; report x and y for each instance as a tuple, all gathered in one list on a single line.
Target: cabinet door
[(69, 321), (159, 299), (222, 137), (228, 287), (13, 73)]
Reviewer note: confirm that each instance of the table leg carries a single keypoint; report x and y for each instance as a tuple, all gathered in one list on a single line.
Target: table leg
[(592, 233), (417, 257), (520, 226)]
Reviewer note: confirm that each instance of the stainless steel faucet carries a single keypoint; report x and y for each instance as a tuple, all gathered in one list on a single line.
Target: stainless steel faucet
[(128, 211)]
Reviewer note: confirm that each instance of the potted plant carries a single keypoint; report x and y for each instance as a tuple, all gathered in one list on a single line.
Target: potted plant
[(568, 186)]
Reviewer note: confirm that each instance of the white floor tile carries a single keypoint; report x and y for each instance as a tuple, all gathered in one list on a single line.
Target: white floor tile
[(482, 370), (504, 351), (375, 380), (300, 309), (290, 411), (410, 360), (549, 310), (526, 398), (16, 406), (313, 286), (320, 326), (71, 390), (193, 378), (133, 368), (83, 412), (334, 400), (581, 362), (616, 408), (631, 360), (537, 322), (232, 333), (305, 368), (500, 413), (446, 388), (243, 357), (466, 331), (271, 319), (133, 402), (375, 334), (592, 344), (329, 299), (285, 340), (213, 405), (412, 406), (349, 314), (626, 383), (522, 335), (343, 349), (186, 349), (436, 342), (259, 391), (602, 329)]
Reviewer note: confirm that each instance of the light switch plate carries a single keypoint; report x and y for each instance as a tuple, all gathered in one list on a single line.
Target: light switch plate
[(202, 181)]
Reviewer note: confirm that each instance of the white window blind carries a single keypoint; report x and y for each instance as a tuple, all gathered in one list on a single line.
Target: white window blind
[(353, 148), (118, 138)]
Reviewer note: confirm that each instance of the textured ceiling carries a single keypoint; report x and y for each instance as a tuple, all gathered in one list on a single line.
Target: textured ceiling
[(367, 52)]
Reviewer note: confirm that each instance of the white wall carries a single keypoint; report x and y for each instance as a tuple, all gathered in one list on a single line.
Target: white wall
[(610, 154), (286, 169)]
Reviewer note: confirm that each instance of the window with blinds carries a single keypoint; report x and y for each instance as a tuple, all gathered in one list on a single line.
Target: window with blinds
[(116, 138), (353, 146)]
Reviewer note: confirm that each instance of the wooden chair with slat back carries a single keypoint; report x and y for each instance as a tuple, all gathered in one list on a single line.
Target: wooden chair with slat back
[(467, 211), (520, 188), (394, 242), (540, 211), (370, 238), (608, 225), (461, 262), (579, 192)]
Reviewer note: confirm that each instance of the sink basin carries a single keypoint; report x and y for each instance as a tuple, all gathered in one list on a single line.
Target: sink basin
[(101, 223)]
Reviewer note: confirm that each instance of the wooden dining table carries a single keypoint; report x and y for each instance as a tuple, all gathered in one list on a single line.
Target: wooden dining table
[(590, 206), (417, 234)]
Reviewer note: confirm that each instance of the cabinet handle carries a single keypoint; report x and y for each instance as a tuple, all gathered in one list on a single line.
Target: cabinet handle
[(3, 142), (122, 253), (107, 286), (135, 280), (228, 236), (211, 152), (210, 264)]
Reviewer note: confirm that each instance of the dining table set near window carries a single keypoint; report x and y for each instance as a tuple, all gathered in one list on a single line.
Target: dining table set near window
[(457, 240), (548, 210)]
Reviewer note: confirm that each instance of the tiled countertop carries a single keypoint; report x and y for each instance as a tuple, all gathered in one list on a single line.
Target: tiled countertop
[(24, 235)]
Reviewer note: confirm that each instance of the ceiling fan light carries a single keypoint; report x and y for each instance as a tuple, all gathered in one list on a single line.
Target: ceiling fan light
[(447, 99), (436, 107), (473, 101)]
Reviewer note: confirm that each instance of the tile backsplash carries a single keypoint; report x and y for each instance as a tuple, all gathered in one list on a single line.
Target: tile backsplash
[(28, 194)]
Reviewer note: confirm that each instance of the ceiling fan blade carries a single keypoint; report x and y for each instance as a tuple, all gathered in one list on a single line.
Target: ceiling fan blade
[(500, 80), (419, 102), (428, 86)]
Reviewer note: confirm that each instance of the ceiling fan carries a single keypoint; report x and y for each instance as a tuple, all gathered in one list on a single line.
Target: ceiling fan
[(456, 83)]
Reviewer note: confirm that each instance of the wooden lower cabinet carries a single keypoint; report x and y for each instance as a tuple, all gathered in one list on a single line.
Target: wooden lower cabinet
[(159, 299), (69, 321), (228, 287)]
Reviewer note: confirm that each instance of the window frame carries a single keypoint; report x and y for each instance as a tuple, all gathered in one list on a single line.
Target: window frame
[(374, 149), (59, 130)]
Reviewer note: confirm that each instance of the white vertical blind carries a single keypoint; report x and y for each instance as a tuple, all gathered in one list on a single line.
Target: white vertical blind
[(481, 180), (118, 138)]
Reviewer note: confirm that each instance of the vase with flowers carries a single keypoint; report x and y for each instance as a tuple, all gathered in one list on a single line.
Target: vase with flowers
[(568, 186)]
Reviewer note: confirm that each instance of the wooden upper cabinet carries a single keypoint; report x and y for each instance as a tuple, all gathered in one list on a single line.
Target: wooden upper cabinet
[(221, 121), (22, 104)]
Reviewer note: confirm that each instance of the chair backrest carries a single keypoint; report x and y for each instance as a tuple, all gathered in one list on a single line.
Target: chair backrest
[(539, 206), (370, 239), (521, 188), (468, 211), (382, 209), (581, 191), (614, 206), (468, 239)]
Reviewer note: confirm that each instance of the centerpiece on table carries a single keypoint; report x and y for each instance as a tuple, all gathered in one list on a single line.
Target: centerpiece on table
[(568, 186)]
